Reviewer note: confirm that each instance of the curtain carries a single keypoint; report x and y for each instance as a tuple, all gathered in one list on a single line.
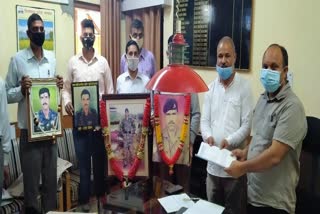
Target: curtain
[(110, 35), (151, 19)]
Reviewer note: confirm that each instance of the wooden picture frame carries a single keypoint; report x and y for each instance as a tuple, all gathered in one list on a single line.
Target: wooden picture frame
[(44, 110), (85, 99), (126, 131)]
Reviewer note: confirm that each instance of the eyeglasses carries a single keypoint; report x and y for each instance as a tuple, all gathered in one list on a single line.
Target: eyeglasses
[(88, 34), (136, 35), (37, 29)]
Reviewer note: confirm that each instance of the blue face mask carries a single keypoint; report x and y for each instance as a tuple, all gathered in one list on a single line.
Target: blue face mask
[(224, 73), (270, 80)]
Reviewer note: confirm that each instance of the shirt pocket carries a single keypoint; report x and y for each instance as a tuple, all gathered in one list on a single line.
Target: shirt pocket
[(233, 113), (268, 127)]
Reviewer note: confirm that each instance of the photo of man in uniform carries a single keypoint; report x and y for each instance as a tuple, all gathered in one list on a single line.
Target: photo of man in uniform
[(127, 131), (47, 118), (86, 116)]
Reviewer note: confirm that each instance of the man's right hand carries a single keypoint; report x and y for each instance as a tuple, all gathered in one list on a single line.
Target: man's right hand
[(240, 154), (25, 83), (69, 108), (210, 141)]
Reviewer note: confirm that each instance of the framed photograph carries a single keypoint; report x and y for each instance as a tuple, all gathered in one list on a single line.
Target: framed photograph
[(55, 1), (44, 110), (125, 116), (171, 116), (47, 15), (85, 99)]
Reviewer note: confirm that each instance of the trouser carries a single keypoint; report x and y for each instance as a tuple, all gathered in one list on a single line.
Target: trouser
[(1, 168), (39, 158), (264, 210), (181, 174), (90, 144), (228, 192)]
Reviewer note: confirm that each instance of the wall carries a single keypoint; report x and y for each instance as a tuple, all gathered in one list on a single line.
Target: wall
[(296, 28), (8, 37)]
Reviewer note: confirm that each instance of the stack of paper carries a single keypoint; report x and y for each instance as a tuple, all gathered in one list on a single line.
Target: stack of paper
[(173, 203), (221, 157), (203, 206)]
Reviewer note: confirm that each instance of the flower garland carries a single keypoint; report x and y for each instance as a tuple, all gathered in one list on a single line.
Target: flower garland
[(140, 153), (184, 130)]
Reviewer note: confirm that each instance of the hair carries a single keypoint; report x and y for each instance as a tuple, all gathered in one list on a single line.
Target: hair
[(87, 23), (126, 110), (44, 90), (228, 40), (285, 58), (171, 104), (136, 23), (85, 91), (132, 42), (170, 39), (32, 18)]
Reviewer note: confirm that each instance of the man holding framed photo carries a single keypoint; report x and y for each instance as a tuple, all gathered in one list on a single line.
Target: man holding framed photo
[(84, 67), (36, 158)]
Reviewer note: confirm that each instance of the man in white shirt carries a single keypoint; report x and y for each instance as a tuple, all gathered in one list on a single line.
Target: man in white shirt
[(84, 67), (225, 122), (5, 145), (38, 158), (132, 81)]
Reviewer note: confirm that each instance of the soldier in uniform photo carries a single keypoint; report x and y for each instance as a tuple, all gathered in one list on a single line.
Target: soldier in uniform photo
[(86, 116)]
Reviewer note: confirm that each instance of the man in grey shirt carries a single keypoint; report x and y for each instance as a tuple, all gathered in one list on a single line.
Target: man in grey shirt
[(279, 126)]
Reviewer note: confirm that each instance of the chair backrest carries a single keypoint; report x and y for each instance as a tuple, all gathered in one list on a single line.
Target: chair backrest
[(311, 143)]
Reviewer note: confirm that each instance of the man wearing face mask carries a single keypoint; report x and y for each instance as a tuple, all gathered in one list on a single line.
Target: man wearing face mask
[(226, 122), (147, 63), (84, 67), (132, 81), (279, 126), (38, 158)]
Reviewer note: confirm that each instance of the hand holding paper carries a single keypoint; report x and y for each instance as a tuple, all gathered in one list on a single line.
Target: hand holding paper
[(221, 157)]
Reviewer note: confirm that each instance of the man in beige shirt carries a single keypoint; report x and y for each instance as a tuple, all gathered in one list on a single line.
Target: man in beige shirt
[(84, 67)]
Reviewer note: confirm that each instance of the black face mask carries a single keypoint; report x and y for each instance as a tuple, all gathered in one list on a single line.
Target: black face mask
[(37, 38), (87, 42)]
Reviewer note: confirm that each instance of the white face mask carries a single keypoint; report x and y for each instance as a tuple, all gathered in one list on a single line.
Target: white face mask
[(133, 63), (139, 42)]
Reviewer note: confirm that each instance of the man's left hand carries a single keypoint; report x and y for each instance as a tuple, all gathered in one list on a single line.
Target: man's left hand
[(236, 169), (59, 81), (224, 144)]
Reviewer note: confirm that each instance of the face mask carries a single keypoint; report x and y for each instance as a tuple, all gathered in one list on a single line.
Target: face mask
[(133, 63), (37, 38), (270, 80), (224, 73), (87, 42), (138, 41)]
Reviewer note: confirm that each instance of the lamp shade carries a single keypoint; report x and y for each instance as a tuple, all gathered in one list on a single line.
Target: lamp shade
[(177, 78)]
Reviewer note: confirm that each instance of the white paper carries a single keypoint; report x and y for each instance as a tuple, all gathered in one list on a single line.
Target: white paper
[(16, 188), (62, 165), (203, 206), (5, 194), (173, 203), (221, 157)]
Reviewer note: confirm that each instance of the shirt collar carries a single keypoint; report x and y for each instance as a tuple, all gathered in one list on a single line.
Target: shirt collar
[(127, 76), (81, 57), (280, 95), (235, 78), (31, 55)]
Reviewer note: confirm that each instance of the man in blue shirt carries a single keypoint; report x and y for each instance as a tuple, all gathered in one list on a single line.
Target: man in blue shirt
[(46, 116)]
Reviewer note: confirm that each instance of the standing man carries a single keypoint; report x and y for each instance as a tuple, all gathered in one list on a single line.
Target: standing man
[(127, 131), (279, 126), (48, 119), (147, 63), (41, 157), (5, 144), (86, 116), (83, 67), (225, 122), (132, 81)]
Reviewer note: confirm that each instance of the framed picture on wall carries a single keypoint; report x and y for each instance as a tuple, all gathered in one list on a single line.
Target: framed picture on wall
[(127, 138), (44, 110), (85, 99), (48, 18), (55, 1)]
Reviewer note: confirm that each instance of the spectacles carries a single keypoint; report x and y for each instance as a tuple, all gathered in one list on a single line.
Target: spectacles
[(88, 34), (37, 29), (136, 35)]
